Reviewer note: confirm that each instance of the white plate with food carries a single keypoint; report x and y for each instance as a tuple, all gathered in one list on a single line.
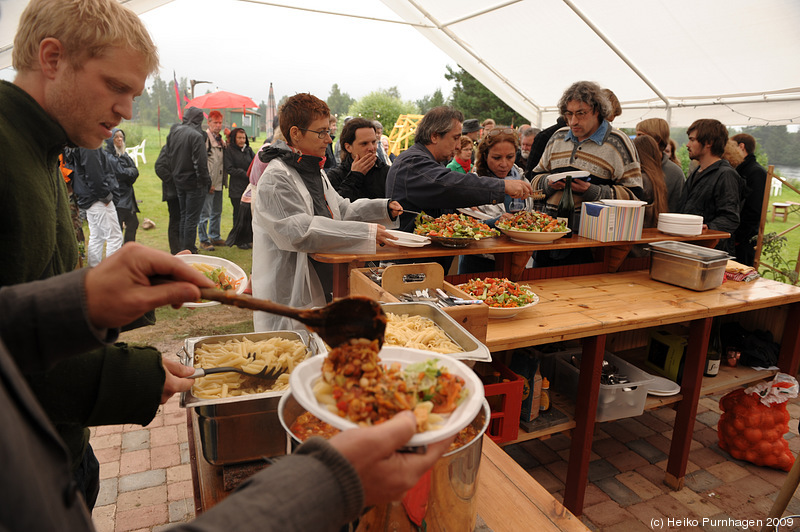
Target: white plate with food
[(409, 240), (225, 274), (499, 293), (307, 387), (577, 174), (663, 387), (623, 202), (536, 237)]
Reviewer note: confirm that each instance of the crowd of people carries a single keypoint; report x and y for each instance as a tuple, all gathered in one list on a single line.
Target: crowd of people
[(297, 195)]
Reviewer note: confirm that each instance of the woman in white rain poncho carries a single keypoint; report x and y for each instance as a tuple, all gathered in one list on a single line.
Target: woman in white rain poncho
[(297, 212)]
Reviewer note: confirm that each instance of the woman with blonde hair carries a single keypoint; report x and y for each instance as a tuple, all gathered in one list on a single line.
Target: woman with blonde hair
[(655, 190), (658, 129)]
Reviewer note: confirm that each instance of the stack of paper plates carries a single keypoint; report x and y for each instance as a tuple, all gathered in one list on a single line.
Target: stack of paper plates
[(680, 224)]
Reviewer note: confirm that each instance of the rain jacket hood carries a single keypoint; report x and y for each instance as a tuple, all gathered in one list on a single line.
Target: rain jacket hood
[(193, 117)]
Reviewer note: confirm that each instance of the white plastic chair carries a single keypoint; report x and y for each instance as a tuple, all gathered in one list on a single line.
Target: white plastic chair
[(137, 151), (776, 187)]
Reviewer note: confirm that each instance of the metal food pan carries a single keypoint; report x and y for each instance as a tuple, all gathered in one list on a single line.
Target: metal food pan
[(687, 272), (473, 349), (690, 251), (243, 428), (211, 406)]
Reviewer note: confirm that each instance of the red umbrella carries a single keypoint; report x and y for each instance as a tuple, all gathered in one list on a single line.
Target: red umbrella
[(221, 100)]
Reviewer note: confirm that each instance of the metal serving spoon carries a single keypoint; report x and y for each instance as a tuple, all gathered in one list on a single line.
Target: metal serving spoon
[(336, 323), (269, 374)]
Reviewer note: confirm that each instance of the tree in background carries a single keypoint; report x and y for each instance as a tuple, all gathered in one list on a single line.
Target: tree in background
[(339, 102), (383, 105), (472, 98), (429, 102)]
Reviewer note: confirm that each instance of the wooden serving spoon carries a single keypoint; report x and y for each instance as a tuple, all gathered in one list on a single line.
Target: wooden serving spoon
[(336, 323)]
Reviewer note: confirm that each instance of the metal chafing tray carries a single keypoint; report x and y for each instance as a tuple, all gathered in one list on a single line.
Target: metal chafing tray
[(242, 428), (687, 265), (691, 251), (473, 349)]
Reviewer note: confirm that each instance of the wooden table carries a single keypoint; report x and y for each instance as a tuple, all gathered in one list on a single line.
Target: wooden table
[(511, 255), (593, 306), (508, 498)]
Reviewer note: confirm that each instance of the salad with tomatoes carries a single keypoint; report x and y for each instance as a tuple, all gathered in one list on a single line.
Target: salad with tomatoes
[(533, 221), (454, 226), (500, 293)]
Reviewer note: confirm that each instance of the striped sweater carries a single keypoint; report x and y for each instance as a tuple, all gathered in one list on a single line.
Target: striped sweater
[(614, 166)]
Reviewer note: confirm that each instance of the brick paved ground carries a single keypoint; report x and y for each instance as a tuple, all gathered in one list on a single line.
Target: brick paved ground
[(146, 481)]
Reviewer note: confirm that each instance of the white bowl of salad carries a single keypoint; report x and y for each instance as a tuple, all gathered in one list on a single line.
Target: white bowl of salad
[(226, 275), (505, 298), (532, 226)]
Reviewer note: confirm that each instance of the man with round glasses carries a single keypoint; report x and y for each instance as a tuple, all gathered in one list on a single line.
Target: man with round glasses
[(589, 143)]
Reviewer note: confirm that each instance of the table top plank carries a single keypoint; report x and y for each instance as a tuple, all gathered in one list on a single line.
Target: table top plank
[(509, 499), (503, 244), (577, 307)]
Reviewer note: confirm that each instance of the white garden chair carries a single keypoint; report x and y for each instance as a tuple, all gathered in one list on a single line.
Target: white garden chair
[(776, 187), (137, 151)]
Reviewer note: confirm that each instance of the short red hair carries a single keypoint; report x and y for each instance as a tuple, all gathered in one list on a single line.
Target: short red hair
[(300, 110)]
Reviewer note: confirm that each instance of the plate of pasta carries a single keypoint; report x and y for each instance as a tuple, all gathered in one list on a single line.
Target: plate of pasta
[(357, 385), (226, 275)]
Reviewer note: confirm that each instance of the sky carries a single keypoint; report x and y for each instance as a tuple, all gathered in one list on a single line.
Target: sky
[(242, 47)]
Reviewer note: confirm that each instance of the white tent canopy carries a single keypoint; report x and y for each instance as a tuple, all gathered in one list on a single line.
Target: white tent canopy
[(734, 60)]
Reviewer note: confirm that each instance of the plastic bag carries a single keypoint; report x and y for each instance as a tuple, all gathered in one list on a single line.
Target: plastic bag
[(754, 421), (779, 390)]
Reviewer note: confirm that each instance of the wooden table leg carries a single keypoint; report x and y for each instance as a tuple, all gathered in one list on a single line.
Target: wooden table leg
[(692, 382), (585, 413), (789, 357), (198, 501), (341, 278)]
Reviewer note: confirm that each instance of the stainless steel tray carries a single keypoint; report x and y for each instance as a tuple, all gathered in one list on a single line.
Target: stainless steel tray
[(190, 401), (690, 251), (473, 349)]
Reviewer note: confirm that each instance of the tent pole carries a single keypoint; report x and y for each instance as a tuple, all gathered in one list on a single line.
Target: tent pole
[(617, 51)]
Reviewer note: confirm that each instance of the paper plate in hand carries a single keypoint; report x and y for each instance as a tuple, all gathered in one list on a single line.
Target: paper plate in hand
[(409, 240), (307, 373), (231, 269), (578, 174)]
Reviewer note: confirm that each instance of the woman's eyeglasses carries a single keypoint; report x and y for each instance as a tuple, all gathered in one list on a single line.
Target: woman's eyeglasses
[(321, 134)]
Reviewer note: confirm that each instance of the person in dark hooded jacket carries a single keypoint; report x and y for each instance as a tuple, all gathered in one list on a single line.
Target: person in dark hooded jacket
[(238, 157), (185, 152), (126, 173)]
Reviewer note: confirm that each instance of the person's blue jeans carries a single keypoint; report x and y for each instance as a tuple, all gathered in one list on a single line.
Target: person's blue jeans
[(191, 205), (208, 228)]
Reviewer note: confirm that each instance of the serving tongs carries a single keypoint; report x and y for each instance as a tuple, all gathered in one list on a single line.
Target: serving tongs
[(420, 215), (336, 323)]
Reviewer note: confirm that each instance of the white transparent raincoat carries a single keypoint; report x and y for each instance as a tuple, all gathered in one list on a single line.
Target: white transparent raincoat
[(285, 231)]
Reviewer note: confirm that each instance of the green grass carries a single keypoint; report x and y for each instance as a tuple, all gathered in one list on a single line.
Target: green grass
[(790, 250), (148, 192)]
